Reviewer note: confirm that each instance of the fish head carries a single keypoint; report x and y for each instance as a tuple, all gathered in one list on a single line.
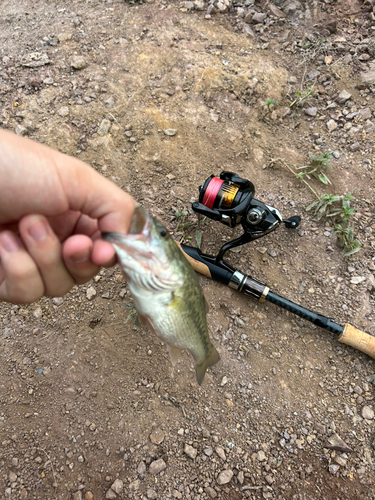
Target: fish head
[(146, 253)]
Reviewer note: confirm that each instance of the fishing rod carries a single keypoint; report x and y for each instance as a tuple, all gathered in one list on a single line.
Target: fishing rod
[(230, 200)]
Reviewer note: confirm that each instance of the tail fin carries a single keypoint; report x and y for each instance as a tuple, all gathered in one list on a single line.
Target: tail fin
[(210, 360)]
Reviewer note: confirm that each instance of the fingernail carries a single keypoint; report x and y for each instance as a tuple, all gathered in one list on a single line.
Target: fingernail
[(9, 242), (38, 231), (80, 257)]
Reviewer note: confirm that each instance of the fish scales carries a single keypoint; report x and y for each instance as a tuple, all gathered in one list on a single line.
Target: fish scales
[(166, 291)]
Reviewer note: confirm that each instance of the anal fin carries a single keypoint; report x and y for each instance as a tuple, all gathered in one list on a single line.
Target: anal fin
[(174, 353)]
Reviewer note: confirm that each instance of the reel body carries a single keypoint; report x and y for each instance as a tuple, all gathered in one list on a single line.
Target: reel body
[(230, 200)]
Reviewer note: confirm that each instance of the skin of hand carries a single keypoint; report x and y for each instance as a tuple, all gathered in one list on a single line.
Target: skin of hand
[(53, 208)]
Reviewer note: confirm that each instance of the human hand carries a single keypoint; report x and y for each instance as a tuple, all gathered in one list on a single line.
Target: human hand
[(52, 210)]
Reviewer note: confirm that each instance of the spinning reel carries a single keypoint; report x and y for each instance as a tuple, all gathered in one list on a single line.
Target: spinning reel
[(229, 200)]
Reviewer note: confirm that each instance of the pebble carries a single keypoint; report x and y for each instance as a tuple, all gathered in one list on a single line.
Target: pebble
[(170, 131), (90, 293), (208, 451), (190, 451), (333, 468), (157, 436), (356, 280), (38, 313), (355, 147), (110, 495), (77, 495), (365, 113), (151, 494), (78, 62), (224, 477), (35, 59), (219, 450), (64, 37), (343, 97), (157, 466), (141, 468), (210, 492), (311, 111), (259, 17), (335, 442), (20, 130), (261, 456), (48, 81), (63, 111), (110, 102), (104, 127), (331, 125), (12, 477), (367, 413)]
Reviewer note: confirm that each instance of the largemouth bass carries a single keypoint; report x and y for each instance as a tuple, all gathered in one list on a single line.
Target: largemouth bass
[(165, 289)]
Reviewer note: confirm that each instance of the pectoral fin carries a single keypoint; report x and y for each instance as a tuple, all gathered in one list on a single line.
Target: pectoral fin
[(174, 353), (211, 360)]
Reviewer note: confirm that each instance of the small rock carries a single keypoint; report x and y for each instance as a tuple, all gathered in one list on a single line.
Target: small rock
[(224, 477), (63, 111), (214, 117), (208, 451), (134, 485), (331, 125), (157, 466), (110, 495), (224, 381), (48, 81), (219, 450), (364, 57), (38, 313), (335, 442), (258, 17), (333, 468), (20, 130), (141, 469), (151, 494), (64, 37), (355, 147), (261, 456), (368, 77), (90, 292), (104, 127), (176, 494), (12, 477), (157, 436), (190, 451), (170, 131), (357, 279), (365, 114), (57, 301), (35, 60), (77, 495), (117, 486), (367, 413), (210, 492), (78, 62), (110, 102), (311, 111), (343, 97)]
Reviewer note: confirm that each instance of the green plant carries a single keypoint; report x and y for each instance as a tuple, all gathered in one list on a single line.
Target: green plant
[(132, 313), (316, 166), (324, 205), (302, 96), (338, 207), (269, 104)]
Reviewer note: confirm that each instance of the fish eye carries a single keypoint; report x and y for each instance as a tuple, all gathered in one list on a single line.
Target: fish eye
[(163, 233)]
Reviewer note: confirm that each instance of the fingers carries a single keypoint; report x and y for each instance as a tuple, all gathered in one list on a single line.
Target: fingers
[(76, 253), (20, 281), (45, 250), (55, 184)]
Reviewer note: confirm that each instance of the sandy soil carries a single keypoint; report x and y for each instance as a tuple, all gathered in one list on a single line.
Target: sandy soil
[(87, 396)]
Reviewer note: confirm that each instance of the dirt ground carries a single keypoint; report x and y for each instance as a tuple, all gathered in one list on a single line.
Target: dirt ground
[(87, 396)]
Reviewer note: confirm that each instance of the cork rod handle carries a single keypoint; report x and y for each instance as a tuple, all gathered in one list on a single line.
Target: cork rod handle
[(358, 339), (199, 267)]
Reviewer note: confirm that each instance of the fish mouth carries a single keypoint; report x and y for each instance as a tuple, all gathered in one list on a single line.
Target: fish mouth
[(140, 229)]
